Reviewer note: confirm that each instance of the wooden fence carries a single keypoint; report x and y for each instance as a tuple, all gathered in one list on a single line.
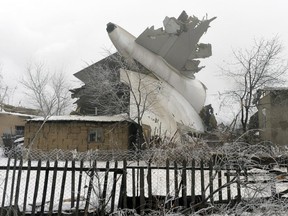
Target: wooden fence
[(99, 188)]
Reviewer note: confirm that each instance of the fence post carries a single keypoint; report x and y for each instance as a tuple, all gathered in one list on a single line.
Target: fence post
[(184, 184), (26, 186), (90, 187), (149, 182), (193, 181), (72, 183), (125, 183), (133, 188), (142, 191), (53, 188), (104, 192), (45, 187), (228, 181), (167, 178), (5, 185), (18, 182), (36, 187), (62, 188), (123, 189), (211, 181), (114, 187), (176, 183), (13, 181), (220, 185), (238, 185), (79, 188), (202, 180)]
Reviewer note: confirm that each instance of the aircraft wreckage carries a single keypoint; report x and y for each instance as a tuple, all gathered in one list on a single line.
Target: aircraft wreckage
[(171, 55)]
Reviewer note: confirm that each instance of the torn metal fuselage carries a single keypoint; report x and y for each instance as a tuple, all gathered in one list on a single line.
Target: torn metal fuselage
[(172, 56)]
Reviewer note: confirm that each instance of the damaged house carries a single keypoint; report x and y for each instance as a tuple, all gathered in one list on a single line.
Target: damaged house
[(102, 92), (272, 104)]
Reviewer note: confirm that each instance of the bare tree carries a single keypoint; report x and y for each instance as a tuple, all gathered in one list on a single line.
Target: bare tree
[(103, 93), (61, 93), (49, 93), (255, 68), (3, 89)]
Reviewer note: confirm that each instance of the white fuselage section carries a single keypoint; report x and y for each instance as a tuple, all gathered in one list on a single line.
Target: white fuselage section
[(191, 89), (165, 108)]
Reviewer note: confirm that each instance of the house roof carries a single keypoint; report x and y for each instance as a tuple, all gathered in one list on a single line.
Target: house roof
[(113, 118), (111, 62), (274, 89), (17, 114), (20, 110), (85, 74)]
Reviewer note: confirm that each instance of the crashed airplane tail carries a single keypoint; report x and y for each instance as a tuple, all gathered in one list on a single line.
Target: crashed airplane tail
[(172, 56)]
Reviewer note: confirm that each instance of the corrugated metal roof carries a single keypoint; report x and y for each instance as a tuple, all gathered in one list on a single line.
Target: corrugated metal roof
[(114, 118)]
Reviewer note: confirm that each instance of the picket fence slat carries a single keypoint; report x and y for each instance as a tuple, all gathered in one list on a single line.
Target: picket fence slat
[(193, 184), (176, 189), (238, 185), (72, 184), (211, 188), (36, 188), (104, 193), (26, 186), (202, 180), (149, 183), (5, 187), (46, 178), (13, 180), (219, 174), (18, 183), (142, 191), (184, 184), (79, 187), (53, 188), (228, 187), (124, 181), (90, 187), (113, 192), (133, 188), (167, 178), (62, 188)]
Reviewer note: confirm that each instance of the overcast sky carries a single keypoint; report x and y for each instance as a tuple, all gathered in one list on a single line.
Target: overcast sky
[(68, 34)]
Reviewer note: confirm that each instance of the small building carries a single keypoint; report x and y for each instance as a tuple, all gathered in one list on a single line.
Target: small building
[(12, 124), (272, 104), (81, 133)]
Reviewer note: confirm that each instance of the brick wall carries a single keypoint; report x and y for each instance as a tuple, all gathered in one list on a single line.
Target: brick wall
[(74, 135)]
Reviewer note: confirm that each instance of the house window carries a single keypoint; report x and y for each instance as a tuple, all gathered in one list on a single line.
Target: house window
[(96, 111), (264, 112), (19, 130), (95, 135)]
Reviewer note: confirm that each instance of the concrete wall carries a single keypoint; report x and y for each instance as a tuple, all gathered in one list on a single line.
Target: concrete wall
[(74, 135)]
